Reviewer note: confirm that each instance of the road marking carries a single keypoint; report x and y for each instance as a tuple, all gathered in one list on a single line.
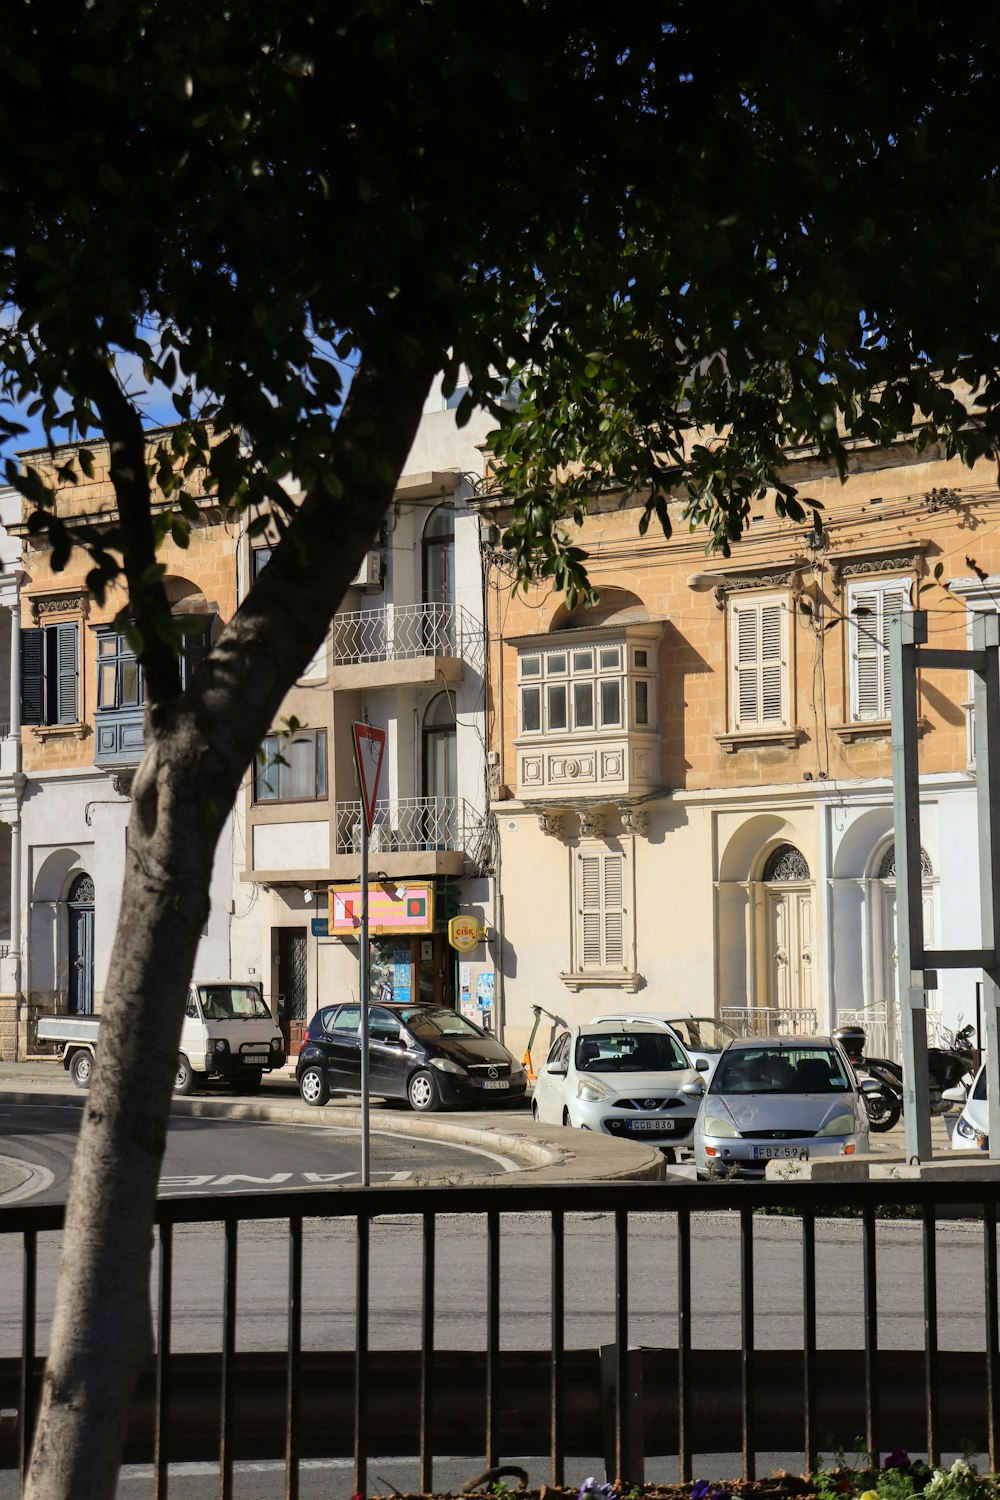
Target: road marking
[(37, 1179), (279, 1180)]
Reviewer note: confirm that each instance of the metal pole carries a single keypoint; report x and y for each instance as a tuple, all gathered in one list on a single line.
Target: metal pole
[(364, 985), (986, 638), (907, 631)]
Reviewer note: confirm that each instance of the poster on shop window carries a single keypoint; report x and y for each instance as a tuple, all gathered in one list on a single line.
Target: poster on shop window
[(484, 999)]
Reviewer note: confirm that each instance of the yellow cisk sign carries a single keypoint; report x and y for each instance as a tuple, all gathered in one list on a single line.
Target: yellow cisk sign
[(463, 934)]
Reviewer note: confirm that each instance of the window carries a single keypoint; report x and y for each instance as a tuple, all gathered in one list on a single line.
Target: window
[(50, 674), (292, 768), (586, 688), (870, 607), (600, 904), (120, 683), (259, 559), (759, 658)]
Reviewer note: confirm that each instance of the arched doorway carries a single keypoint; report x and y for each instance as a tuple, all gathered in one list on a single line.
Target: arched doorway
[(440, 772), (438, 550), (788, 911), (883, 936), (80, 907)]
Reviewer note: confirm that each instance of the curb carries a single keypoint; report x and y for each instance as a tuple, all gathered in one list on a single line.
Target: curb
[(541, 1153)]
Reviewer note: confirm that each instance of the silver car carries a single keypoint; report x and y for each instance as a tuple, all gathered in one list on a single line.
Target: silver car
[(778, 1098)]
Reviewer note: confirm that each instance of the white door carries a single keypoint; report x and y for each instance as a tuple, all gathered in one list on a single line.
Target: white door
[(790, 938), (890, 955)]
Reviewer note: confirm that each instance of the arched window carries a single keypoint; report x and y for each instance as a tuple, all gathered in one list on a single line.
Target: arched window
[(439, 556), (785, 863), (80, 907)]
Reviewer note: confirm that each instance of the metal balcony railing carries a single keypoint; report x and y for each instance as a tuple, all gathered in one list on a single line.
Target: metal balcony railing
[(711, 1377), (402, 632), (770, 1020), (410, 825)]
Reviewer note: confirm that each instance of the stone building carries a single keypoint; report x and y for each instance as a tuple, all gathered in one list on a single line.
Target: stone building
[(692, 781)]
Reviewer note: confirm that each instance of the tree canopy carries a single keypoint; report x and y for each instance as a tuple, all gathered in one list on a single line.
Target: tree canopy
[(697, 237)]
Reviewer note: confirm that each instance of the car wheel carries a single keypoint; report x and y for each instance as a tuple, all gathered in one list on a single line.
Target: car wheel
[(313, 1086), (422, 1092), (81, 1069), (534, 1111), (184, 1077), (566, 1118)]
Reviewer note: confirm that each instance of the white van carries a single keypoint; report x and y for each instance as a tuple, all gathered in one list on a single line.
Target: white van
[(228, 1033)]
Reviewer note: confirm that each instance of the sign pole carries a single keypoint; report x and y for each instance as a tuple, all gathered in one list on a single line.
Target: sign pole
[(365, 986), (371, 742)]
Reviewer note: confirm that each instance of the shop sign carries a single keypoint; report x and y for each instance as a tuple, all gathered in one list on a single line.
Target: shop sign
[(409, 911), (319, 927), (463, 934)]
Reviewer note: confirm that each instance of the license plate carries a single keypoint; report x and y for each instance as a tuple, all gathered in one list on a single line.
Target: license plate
[(651, 1125), (774, 1153), (495, 1083), (254, 1057)]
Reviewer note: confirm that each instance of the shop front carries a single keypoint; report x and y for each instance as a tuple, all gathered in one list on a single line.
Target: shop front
[(410, 958)]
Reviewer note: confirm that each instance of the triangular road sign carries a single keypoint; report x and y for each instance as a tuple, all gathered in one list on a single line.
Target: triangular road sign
[(369, 747)]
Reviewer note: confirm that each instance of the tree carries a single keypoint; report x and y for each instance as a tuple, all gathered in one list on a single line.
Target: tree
[(694, 243)]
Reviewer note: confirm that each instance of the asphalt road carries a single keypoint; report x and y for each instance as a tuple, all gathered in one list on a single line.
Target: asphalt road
[(210, 1156)]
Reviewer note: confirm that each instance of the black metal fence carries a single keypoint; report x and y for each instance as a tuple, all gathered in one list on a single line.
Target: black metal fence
[(498, 1403)]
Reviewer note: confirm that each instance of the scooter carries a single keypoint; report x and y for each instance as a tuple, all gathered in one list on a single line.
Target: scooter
[(952, 1068), (884, 1104)]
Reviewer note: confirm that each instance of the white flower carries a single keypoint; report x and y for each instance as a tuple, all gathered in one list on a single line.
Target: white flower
[(960, 1468)]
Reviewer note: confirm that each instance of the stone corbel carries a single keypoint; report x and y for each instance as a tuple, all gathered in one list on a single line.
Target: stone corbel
[(634, 819), (592, 823), (552, 823)]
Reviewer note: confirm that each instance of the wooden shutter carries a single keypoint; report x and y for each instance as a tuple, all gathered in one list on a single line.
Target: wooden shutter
[(760, 664), (67, 674), (871, 609), (601, 911), (32, 677)]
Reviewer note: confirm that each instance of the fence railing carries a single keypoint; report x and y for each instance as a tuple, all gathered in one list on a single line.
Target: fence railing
[(410, 825), (767, 1020), (399, 632), (562, 1398), (880, 1041)]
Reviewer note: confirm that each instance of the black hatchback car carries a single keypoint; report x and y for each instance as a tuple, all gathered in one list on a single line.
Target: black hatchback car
[(427, 1054)]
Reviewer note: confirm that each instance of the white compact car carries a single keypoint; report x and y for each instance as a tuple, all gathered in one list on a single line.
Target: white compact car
[(702, 1037), (625, 1078), (972, 1128)]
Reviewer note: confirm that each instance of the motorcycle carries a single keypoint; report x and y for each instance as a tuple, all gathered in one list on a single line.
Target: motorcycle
[(884, 1104), (952, 1068)]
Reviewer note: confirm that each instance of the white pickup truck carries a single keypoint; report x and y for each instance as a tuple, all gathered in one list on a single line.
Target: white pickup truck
[(228, 1033)]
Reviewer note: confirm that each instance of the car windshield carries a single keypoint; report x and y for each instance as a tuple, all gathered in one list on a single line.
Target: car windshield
[(434, 1021), (628, 1052), (232, 1002), (780, 1070), (702, 1032)]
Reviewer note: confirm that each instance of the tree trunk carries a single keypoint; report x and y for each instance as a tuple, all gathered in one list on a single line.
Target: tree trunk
[(198, 748)]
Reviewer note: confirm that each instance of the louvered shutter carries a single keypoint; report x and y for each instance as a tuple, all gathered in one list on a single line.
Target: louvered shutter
[(760, 664), (32, 677), (867, 654), (772, 664), (893, 602), (614, 912), (67, 673), (590, 910)]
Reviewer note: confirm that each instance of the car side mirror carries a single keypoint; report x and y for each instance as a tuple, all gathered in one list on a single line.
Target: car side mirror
[(694, 1090), (702, 1065), (870, 1086), (559, 1068)]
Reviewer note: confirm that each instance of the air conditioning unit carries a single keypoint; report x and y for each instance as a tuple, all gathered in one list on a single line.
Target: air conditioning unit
[(371, 572)]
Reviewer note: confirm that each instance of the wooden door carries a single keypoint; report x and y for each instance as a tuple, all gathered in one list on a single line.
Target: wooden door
[(293, 987)]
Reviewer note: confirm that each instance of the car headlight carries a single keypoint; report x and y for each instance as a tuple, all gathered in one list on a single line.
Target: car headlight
[(276, 1044), (839, 1125), (590, 1090), (445, 1065), (222, 1045), (964, 1129), (714, 1126)]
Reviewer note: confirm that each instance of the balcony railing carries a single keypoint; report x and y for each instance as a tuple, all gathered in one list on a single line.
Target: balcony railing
[(410, 825), (769, 1020), (404, 632), (880, 1040)]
